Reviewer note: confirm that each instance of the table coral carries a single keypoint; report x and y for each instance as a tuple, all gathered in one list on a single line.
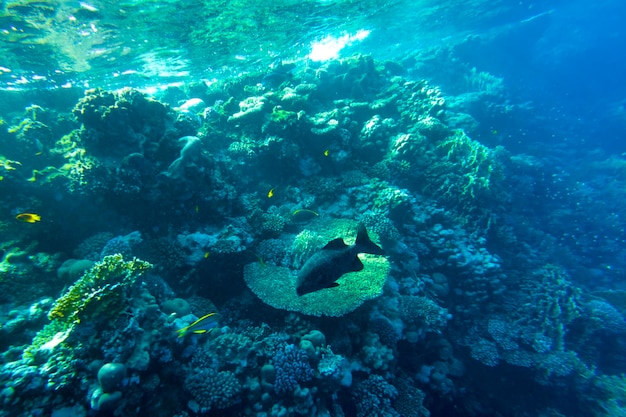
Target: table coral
[(342, 300)]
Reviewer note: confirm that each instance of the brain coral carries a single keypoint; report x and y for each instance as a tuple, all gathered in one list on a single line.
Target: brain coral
[(276, 285)]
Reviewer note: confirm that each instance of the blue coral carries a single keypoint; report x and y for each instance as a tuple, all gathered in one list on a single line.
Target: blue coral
[(387, 332), (486, 352), (212, 389), (604, 316), (292, 368), (373, 398)]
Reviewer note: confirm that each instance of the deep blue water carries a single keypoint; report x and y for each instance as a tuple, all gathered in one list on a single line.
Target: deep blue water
[(161, 161)]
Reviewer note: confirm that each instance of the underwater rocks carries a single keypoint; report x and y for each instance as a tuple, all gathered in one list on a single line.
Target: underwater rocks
[(110, 377), (250, 110), (356, 77), (200, 245), (189, 154), (72, 269)]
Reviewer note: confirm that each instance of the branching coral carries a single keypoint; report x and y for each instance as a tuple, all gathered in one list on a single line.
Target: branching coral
[(292, 368), (212, 389), (474, 161), (423, 311), (374, 396)]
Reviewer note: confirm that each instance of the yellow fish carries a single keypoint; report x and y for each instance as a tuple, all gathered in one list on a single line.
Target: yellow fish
[(28, 217), (270, 193), (304, 214), (206, 254), (203, 325), (261, 261), (326, 152)]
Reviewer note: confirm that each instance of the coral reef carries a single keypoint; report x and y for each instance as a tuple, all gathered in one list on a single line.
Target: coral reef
[(227, 201)]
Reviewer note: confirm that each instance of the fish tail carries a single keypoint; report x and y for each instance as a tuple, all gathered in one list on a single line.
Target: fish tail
[(364, 244)]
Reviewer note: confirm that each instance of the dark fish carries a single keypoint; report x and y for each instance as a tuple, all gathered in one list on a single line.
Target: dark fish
[(325, 267), (279, 74)]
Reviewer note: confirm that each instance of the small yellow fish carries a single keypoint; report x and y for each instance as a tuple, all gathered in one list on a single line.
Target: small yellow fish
[(261, 261), (197, 209), (326, 152), (270, 193), (304, 214), (206, 254), (203, 325), (28, 217)]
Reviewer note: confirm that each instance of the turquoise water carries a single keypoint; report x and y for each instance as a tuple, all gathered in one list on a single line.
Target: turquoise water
[(174, 174)]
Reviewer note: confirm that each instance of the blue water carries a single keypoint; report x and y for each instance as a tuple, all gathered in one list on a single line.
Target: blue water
[(163, 161)]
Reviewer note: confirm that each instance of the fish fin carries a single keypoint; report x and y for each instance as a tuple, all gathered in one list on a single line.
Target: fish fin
[(204, 317), (364, 244), (357, 265), (335, 244), (332, 285)]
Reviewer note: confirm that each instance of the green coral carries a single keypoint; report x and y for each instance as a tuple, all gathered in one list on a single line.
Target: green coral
[(612, 398), (474, 160), (273, 222), (306, 243), (279, 115), (74, 171), (484, 82), (99, 291), (559, 306)]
